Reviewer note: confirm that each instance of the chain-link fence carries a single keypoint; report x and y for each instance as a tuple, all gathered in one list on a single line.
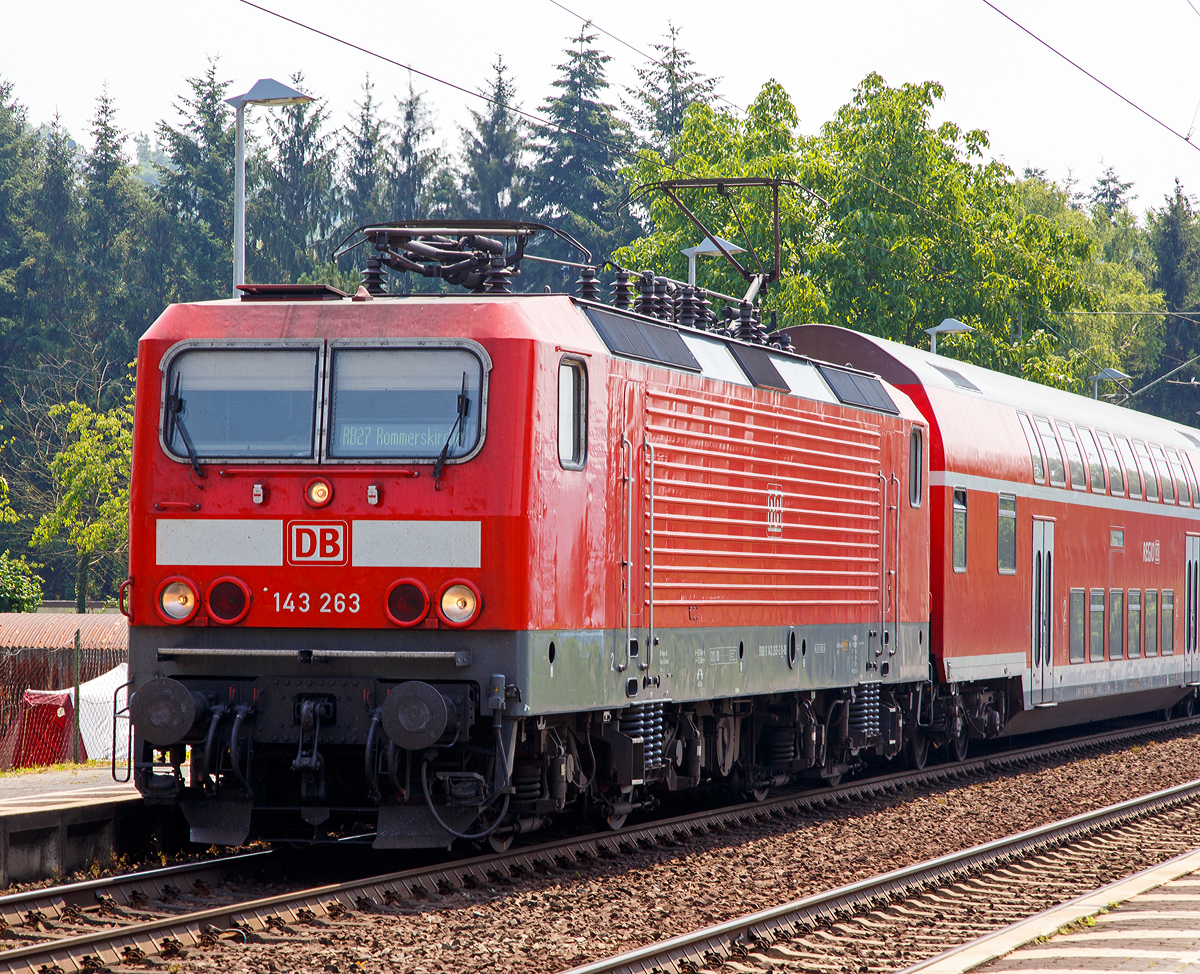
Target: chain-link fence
[(56, 701)]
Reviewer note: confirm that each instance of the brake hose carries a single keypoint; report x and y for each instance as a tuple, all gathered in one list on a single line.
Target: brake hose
[(503, 811)]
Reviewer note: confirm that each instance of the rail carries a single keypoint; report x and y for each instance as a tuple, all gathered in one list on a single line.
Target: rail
[(334, 900)]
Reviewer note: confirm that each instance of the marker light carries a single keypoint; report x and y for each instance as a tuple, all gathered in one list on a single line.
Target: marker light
[(407, 602), (228, 600), (459, 603), (318, 493), (177, 600)]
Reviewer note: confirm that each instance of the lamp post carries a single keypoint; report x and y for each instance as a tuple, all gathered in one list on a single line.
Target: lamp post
[(1116, 375), (266, 91), (948, 326), (708, 247)]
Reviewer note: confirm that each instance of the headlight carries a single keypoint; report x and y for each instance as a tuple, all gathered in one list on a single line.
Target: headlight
[(228, 600), (318, 493), (177, 600), (407, 602), (459, 603)]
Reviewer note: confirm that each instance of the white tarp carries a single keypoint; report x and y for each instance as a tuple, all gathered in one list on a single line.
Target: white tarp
[(96, 715)]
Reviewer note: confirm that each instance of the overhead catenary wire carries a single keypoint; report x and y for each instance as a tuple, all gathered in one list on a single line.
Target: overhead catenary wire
[(1079, 67)]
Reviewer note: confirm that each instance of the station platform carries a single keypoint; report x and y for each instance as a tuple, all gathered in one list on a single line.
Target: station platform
[(55, 822), (1147, 921)]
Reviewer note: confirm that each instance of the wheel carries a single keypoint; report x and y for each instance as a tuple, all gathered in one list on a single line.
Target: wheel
[(916, 750), (959, 744), (1187, 706), (500, 843), (615, 822)]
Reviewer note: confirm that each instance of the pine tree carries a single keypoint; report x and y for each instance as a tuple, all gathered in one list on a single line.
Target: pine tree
[(292, 216), (18, 154), (1110, 193), (195, 188), (669, 86), (496, 177), (365, 182), (412, 163), (113, 206), (1175, 239), (575, 182)]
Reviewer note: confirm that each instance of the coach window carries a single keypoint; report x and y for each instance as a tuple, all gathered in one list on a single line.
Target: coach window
[(916, 449), (1182, 486), (1164, 473), (1131, 471), (1054, 460), (1116, 624), (1074, 456), (1151, 610), (1095, 465), (1147, 470), (572, 414), (1006, 534), (1035, 451), (1116, 480), (1133, 617), (1168, 622), (1186, 459), (1077, 624), (1096, 626), (960, 530)]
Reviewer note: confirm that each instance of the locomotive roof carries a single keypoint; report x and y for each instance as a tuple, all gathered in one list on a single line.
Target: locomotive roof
[(902, 365)]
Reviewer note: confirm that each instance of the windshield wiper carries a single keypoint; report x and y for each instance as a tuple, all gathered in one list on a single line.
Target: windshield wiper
[(464, 406), (175, 421)]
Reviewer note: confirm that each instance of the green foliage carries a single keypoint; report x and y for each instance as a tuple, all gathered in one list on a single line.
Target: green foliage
[(20, 588), (667, 88), (195, 190), (911, 226), (91, 486), (293, 214), (495, 179), (575, 184)]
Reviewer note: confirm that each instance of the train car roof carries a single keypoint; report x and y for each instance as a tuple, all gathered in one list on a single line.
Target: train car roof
[(904, 366)]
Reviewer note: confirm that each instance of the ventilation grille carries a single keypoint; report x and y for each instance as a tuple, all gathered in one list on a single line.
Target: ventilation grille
[(639, 339)]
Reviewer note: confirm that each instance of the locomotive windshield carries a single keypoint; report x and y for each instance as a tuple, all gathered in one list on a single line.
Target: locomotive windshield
[(404, 403), (251, 403)]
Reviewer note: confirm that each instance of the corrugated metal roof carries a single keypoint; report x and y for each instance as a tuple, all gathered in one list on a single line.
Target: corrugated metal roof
[(56, 630)]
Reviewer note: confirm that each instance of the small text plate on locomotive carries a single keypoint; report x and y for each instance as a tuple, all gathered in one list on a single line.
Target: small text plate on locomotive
[(218, 541), (415, 544)]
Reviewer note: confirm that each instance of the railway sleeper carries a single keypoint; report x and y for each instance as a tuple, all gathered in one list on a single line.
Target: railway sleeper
[(426, 763)]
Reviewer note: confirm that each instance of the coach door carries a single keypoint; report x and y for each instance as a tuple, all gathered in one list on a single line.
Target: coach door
[(1191, 665), (1042, 650)]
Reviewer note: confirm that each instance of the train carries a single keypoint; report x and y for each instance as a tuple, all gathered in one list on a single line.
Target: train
[(438, 567)]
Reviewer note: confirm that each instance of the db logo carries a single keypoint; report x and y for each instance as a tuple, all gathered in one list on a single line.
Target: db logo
[(317, 543)]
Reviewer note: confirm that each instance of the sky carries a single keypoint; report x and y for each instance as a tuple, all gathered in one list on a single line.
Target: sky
[(1038, 110)]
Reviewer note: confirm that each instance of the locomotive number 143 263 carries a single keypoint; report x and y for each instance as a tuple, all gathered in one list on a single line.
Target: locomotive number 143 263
[(324, 602)]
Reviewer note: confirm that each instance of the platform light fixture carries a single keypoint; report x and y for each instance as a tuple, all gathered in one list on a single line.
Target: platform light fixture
[(948, 326), (708, 247), (1113, 375), (266, 91)]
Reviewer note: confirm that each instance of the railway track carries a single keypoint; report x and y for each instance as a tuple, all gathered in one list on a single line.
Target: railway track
[(907, 915), (153, 920)]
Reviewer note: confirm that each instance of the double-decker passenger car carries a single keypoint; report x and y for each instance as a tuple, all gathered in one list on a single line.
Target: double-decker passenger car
[(1065, 542)]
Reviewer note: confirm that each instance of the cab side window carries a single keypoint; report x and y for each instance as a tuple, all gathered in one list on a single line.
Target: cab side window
[(572, 414)]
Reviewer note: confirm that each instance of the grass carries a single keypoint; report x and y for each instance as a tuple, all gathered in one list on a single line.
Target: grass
[(63, 766)]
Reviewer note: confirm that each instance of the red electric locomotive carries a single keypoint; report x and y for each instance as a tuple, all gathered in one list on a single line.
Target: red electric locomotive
[(441, 566)]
